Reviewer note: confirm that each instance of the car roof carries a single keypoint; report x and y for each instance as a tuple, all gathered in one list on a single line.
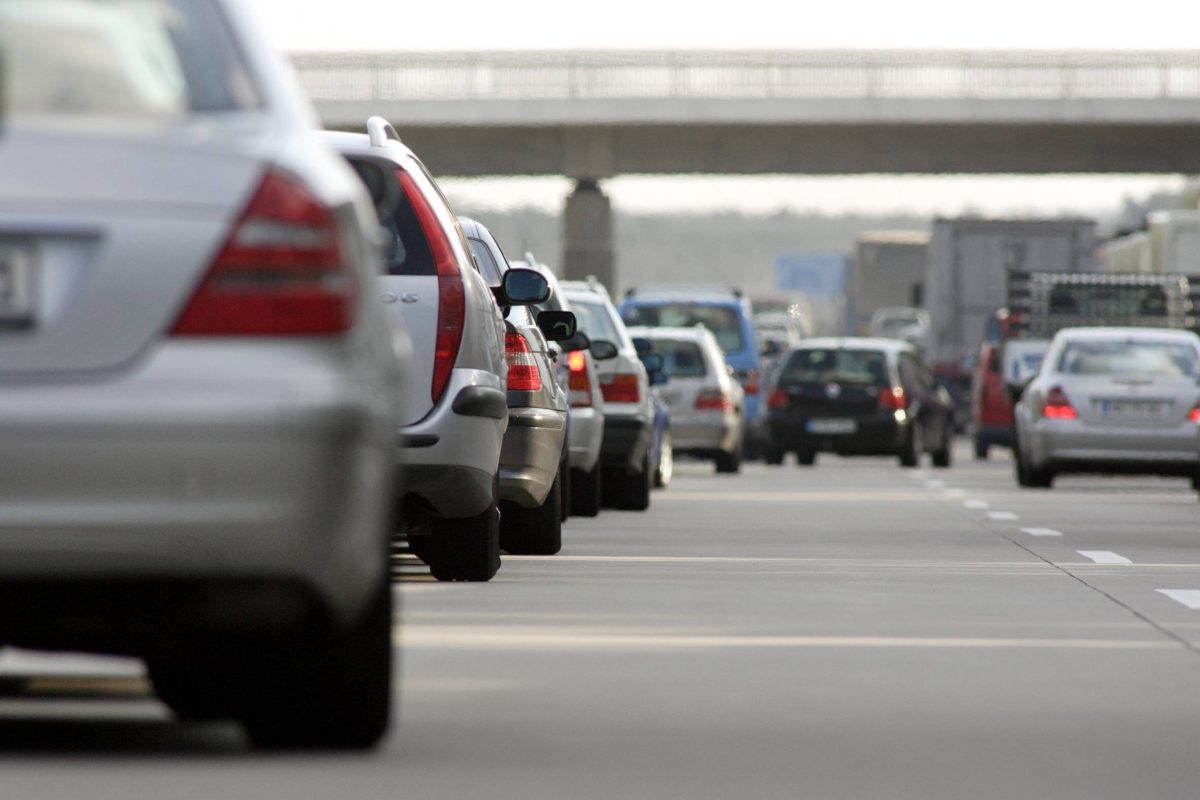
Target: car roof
[(1141, 334), (856, 342), (697, 333), (368, 144)]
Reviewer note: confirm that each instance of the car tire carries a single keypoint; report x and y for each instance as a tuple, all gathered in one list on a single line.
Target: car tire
[(564, 491), (324, 687), (466, 549), (910, 453), (421, 547), (585, 492), (633, 489), (772, 456), (981, 448), (730, 463), (806, 458), (534, 531), (195, 688), (666, 463), (944, 454), (1029, 477)]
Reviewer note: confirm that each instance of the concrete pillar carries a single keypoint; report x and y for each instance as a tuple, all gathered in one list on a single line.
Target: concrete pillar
[(588, 235)]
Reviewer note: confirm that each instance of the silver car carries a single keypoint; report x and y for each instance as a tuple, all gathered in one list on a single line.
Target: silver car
[(455, 404), (1111, 400), (198, 444), (705, 401)]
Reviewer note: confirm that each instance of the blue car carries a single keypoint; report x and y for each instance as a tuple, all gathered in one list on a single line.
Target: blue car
[(726, 313)]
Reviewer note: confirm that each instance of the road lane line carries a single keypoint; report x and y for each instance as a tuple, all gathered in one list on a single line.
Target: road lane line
[(793, 497), (1104, 556), (975, 505), (955, 494), (935, 484), (1040, 531), (1188, 597), (1001, 516)]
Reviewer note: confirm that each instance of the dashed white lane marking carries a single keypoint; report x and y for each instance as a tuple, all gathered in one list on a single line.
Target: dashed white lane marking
[(1104, 556), (1188, 597), (1040, 531), (975, 505), (955, 494), (935, 484), (1001, 516)]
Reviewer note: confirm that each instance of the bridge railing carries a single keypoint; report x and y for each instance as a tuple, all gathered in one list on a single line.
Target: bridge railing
[(769, 74)]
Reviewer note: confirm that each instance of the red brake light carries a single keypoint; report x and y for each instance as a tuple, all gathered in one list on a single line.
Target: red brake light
[(778, 399), (750, 381), (523, 374), (451, 295), (622, 388), (892, 398), (579, 384), (1194, 414), (281, 272), (1057, 406), (713, 400)]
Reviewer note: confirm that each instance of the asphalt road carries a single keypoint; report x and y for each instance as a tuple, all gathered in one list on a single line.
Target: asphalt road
[(852, 630)]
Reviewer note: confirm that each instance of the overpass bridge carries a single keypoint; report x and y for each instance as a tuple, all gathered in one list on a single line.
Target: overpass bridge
[(593, 115)]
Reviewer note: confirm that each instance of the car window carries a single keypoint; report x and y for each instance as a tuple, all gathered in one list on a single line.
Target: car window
[(405, 248), (683, 359), (594, 320), (725, 322), (1161, 358), (837, 364), (487, 264), (127, 58)]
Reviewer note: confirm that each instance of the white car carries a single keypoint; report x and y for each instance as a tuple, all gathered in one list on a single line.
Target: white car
[(197, 447), (1122, 400)]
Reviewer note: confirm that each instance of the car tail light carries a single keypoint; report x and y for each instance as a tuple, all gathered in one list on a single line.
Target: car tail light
[(281, 272), (1057, 406), (1194, 414), (892, 398), (523, 374), (623, 388), (451, 295), (578, 383), (778, 399), (713, 400), (750, 381)]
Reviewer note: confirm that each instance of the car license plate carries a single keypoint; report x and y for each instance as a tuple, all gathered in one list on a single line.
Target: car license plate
[(1132, 409), (17, 272), (832, 426)]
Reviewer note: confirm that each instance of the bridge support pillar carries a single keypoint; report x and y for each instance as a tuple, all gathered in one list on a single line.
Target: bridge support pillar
[(588, 235)]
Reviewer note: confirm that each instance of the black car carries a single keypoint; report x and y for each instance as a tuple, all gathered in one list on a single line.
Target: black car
[(858, 397)]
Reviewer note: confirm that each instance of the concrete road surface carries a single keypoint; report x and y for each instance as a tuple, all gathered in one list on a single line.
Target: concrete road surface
[(851, 630)]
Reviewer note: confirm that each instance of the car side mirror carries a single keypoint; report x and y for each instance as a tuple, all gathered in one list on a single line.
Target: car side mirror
[(1015, 390), (522, 287), (579, 341), (556, 326), (603, 350), (642, 345)]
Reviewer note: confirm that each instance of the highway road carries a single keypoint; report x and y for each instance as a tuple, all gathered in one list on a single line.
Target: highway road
[(852, 630)]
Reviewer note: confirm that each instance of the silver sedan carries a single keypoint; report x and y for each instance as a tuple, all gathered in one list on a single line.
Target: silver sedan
[(1121, 400)]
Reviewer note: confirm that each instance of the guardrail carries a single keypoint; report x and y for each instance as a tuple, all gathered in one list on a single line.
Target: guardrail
[(988, 75)]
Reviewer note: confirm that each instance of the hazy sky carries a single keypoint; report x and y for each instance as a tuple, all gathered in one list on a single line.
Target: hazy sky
[(545, 24)]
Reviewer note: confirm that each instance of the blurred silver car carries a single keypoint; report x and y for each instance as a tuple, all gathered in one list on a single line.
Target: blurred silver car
[(197, 442), (705, 401), (1111, 400)]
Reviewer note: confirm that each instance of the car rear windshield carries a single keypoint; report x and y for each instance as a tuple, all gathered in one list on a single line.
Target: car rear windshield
[(683, 359), (823, 365), (126, 58), (405, 248), (594, 320), (723, 321), (1158, 359)]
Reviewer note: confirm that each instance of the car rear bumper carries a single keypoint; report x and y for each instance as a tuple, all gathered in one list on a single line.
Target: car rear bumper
[(1074, 444), (531, 454), (703, 437), (585, 438), (627, 440), (882, 435), (1000, 435)]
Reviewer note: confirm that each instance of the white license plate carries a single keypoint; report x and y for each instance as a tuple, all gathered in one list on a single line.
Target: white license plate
[(832, 426), (1134, 409), (17, 273)]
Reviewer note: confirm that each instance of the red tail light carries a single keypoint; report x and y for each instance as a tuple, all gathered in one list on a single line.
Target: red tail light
[(713, 400), (750, 381), (451, 296), (892, 399), (1057, 406), (622, 388), (579, 384), (1194, 414), (281, 272), (523, 374), (778, 399)]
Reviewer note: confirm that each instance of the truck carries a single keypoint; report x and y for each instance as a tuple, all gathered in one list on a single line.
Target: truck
[(966, 281), (1169, 245), (888, 271)]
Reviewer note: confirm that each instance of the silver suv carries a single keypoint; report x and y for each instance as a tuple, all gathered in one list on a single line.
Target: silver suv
[(455, 404), (197, 404)]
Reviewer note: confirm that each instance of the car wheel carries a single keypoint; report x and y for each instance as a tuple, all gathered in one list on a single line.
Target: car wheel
[(324, 687), (666, 463), (534, 531), (1030, 477), (633, 489), (981, 447), (806, 458), (910, 454), (772, 455), (421, 547), (730, 463), (943, 455), (585, 492), (195, 688), (466, 549)]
